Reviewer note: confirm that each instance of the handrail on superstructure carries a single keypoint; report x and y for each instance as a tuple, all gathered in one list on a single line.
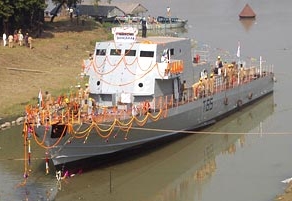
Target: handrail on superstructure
[(60, 114)]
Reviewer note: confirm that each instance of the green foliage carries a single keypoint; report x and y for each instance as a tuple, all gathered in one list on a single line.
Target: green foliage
[(72, 3), (27, 14), (24, 14), (107, 25), (6, 9)]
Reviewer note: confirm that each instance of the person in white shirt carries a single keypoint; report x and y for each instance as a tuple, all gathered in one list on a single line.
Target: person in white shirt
[(20, 38), (218, 66), (4, 39)]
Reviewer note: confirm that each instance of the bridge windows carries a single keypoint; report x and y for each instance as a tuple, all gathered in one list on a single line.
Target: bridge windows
[(115, 52), (146, 53), (131, 53), (100, 52)]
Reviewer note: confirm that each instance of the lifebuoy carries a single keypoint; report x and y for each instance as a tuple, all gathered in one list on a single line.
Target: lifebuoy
[(239, 103)]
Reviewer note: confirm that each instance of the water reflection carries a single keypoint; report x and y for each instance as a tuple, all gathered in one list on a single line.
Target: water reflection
[(190, 184), (13, 186), (176, 172), (247, 23)]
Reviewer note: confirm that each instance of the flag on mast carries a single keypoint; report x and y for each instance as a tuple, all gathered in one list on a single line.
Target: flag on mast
[(40, 97), (238, 50)]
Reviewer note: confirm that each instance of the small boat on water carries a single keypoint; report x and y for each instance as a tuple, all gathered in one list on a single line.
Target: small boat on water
[(153, 23), (143, 91)]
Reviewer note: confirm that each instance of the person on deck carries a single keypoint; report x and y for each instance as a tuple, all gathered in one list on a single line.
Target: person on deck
[(218, 66), (48, 99), (86, 92), (144, 27), (206, 86), (80, 93), (184, 91), (211, 84), (201, 88), (241, 74)]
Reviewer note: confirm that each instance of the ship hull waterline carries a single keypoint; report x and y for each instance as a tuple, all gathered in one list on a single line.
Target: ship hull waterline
[(190, 116)]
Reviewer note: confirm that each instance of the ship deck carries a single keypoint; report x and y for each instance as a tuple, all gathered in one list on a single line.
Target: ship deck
[(157, 39), (104, 114)]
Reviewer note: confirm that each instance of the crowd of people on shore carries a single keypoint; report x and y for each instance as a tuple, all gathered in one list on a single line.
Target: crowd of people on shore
[(17, 39)]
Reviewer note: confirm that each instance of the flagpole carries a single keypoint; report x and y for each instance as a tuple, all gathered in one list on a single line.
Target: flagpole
[(40, 96), (238, 65), (238, 52), (260, 65)]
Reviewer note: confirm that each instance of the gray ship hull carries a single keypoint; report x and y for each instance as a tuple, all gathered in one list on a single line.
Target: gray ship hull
[(192, 115), (143, 91)]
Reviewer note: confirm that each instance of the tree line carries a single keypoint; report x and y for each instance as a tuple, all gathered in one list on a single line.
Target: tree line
[(28, 15)]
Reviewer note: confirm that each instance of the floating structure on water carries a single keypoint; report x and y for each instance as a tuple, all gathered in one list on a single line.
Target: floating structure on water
[(247, 13), (160, 22), (143, 90)]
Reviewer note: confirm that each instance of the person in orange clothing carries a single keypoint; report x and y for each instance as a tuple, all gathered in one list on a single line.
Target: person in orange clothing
[(86, 92)]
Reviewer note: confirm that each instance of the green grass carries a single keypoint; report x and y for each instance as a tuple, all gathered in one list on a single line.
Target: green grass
[(54, 63)]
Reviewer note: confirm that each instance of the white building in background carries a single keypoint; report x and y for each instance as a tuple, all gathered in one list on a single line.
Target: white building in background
[(103, 12), (129, 8), (50, 7)]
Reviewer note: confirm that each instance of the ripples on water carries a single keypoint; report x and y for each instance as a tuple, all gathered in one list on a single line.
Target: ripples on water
[(177, 171), (12, 183)]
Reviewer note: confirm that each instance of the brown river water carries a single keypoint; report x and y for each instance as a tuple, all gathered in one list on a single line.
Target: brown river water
[(246, 165)]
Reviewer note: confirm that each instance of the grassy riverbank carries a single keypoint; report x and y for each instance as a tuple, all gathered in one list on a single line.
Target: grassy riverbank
[(54, 63)]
